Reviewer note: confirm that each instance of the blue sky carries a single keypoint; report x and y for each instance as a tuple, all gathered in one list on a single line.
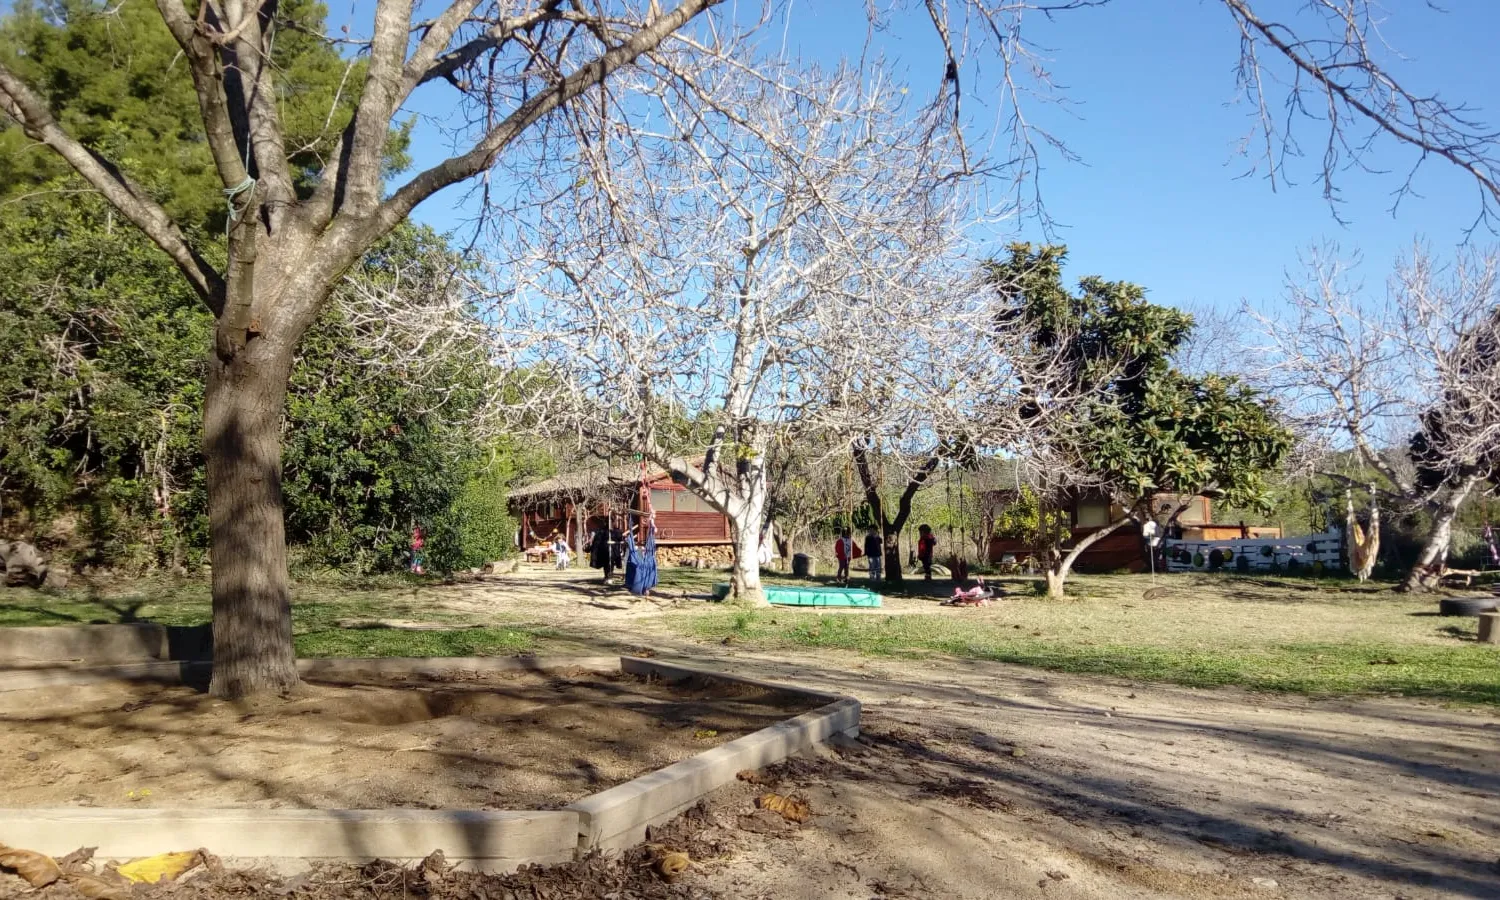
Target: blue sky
[(1158, 197)]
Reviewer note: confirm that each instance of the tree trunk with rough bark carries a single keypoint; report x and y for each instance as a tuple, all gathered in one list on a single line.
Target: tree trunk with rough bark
[(1426, 573), (252, 613), (891, 534)]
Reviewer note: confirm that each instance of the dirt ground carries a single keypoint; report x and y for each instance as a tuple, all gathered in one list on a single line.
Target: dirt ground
[(510, 741), (980, 780), (983, 780)]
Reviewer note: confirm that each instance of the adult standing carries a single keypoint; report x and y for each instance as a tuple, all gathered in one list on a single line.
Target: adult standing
[(601, 554), (874, 554), (843, 552)]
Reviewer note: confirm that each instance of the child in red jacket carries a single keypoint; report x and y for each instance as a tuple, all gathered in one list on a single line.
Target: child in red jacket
[(844, 550), (926, 546)]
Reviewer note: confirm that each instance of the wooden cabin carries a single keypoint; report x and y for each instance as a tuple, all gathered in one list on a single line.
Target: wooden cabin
[(575, 504)]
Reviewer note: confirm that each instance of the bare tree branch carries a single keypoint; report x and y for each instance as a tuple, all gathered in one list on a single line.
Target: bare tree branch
[(18, 102), (213, 106), (1342, 70), (591, 74)]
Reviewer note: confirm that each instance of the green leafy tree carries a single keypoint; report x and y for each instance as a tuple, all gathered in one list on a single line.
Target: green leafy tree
[(1116, 417), (300, 213), (101, 398), (100, 380)]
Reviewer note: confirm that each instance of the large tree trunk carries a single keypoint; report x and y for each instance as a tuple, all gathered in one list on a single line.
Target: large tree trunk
[(252, 613), (1427, 572), (744, 529), (891, 533)]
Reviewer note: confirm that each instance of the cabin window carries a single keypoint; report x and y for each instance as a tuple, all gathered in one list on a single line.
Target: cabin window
[(661, 501), (1196, 512), (1091, 512), (687, 501)]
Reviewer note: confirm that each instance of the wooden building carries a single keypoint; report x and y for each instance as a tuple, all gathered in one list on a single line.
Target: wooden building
[(575, 504), (1125, 548)]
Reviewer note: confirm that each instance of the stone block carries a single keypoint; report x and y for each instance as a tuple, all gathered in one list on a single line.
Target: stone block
[(494, 840), (1489, 628), (618, 817)]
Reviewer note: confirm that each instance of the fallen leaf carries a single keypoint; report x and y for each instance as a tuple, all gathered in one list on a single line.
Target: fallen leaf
[(750, 776), (791, 809), (704, 734), (38, 869), (161, 867), (669, 863), (95, 887)]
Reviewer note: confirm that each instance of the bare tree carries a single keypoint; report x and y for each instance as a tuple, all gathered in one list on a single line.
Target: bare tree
[(1318, 79), (719, 264), (1410, 380)]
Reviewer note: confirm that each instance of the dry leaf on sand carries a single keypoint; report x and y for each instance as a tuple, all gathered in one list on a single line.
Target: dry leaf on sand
[(668, 863), (38, 869), (789, 808)]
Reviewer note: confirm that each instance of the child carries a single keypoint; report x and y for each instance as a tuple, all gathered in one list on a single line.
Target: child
[(560, 550), (926, 546), (416, 550), (875, 553), (844, 551)]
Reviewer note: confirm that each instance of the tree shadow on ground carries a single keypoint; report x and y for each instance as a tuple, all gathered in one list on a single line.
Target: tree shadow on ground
[(936, 725)]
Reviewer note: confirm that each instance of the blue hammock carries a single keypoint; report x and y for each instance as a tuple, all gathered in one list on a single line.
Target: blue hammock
[(640, 562)]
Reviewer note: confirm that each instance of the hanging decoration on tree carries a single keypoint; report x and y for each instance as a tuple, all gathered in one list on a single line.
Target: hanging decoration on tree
[(1363, 547)]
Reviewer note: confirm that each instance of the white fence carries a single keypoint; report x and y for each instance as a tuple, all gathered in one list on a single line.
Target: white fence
[(1307, 553)]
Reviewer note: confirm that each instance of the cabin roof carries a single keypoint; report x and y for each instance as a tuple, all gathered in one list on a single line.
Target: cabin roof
[(594, 478)]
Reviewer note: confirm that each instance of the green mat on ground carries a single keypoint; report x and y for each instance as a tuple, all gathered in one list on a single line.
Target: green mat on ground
[(812, 595)]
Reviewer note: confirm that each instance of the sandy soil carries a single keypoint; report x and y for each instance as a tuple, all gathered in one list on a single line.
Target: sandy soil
[(979, 780), (986, 780), (513, 741)]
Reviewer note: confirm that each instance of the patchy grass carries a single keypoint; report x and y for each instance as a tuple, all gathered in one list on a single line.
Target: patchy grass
[(1334, 638), (365, 642), (1285, 634), (319, 605)]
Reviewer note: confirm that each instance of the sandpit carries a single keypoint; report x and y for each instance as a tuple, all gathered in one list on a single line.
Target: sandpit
[(496, 740)]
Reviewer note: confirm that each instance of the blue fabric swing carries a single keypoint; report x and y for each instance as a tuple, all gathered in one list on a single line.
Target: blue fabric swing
[(640, 562)]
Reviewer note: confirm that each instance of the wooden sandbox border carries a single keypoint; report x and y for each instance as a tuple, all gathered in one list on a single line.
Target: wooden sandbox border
[(489, 840)]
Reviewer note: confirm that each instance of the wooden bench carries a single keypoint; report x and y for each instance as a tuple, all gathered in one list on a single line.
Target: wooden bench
[(1452, 576)]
